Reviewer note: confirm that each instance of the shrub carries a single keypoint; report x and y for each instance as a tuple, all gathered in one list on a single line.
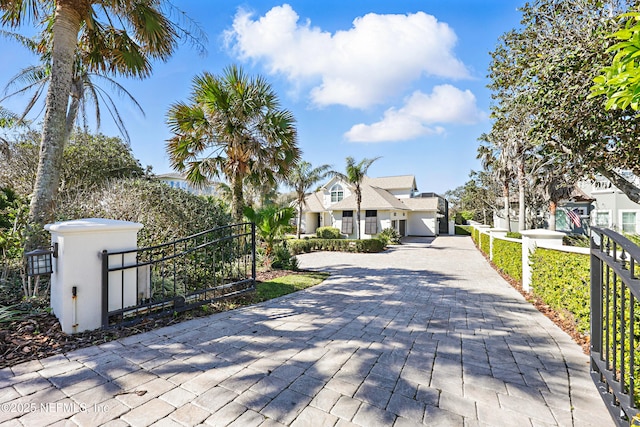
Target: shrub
[(485, 243), (328, 233), (507, 256), (463, 230), (166, 213), (562, 280), (282, 258), (336, 245), (390, 236), (514, 235)]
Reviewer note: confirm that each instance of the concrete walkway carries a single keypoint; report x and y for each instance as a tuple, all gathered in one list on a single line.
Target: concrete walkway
[(426, 333)]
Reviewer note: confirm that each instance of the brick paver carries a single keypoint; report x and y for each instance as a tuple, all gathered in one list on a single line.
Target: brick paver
[(425, 333)]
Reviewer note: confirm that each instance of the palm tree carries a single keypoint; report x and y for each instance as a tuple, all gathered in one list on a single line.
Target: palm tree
[(145, 34), (272, 222), (497, 161), (355, 174), (84, 87), (301, 179), (233, 125)]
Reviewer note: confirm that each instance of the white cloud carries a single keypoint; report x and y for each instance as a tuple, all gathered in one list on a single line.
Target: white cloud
[(445, 105), (359, 67)]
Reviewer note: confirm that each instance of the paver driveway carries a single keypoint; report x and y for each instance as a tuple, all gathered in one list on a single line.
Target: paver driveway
[(425, 333)]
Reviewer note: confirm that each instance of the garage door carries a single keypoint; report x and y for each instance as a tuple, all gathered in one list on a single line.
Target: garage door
[(422, 225)]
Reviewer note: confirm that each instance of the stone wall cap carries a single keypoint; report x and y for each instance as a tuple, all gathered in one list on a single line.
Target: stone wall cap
[(89, 225), (542, 233)]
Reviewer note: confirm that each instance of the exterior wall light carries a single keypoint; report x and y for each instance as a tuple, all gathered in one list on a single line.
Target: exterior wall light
[(40, 261)]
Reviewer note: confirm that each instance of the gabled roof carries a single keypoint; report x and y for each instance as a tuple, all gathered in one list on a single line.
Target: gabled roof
[(372, 198), (392, 182), (577, 195), (313, 202)]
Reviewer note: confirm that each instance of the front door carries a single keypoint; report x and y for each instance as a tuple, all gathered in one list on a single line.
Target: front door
[(403, 227)]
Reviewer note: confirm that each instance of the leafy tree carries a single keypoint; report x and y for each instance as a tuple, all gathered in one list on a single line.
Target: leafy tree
[(272, 222), (620, 81), (354, 175), (303, 176), (543, 72), (88, 162), (144, 34), (233, 126), (476, 199)]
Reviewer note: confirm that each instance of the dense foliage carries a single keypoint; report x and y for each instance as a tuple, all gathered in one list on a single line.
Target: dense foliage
[(485, 243), (562, 280), (507, 256), (340, 245), (88, 161), (166, 213), (328, 233), (541, 75)]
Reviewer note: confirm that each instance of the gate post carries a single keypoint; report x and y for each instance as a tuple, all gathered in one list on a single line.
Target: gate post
[(76, 282), (531, 239)]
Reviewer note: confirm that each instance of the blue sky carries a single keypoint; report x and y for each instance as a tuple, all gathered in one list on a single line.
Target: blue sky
[(404, 80)]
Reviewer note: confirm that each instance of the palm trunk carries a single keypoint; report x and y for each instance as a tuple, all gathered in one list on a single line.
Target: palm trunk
[(521, 196), (300, 202), (553, 207), (507, 214), (72, 114), (237, 202), (65, 33), (358, 201)]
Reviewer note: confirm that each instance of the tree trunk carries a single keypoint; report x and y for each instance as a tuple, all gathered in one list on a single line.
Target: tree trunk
[(358, 202), (553, 207), (72, 114), (300, 203), (631, 191), (507, 213), (237, 202), (521, 197), (65, 34)]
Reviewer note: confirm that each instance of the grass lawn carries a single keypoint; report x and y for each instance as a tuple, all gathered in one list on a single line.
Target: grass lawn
[(287, 284)]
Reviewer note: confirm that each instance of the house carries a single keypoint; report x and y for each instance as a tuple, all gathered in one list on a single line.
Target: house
[(611, 208), (573, 214), (176, 180), (387, 202)]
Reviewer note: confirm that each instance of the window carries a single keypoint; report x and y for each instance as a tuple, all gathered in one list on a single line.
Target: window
[(347, 222), (602, 219), (337, 193), (629, 222), (371, 222)]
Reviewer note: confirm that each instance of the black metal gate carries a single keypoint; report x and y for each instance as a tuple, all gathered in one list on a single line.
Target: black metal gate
[(179, 275), (615, 323)]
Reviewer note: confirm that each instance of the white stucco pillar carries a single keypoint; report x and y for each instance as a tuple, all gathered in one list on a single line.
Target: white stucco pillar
[(76, 286), (495, 232), (530, 240)]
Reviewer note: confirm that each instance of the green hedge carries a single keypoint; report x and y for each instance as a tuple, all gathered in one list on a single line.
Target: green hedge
[(475, 235), (562, 280), (507, 256), (328, 233), (463, 230), (485, 243), (338, 245)]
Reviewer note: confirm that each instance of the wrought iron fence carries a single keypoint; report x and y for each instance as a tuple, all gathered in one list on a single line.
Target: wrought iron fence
[(179, 275), (615, 323)]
